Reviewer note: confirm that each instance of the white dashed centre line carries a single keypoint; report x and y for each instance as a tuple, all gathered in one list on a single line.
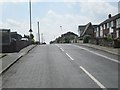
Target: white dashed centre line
[(93, 78), (69, 56), (57, 45), (62, 49)]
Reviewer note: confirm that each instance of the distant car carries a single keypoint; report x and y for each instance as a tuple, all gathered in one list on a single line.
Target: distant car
[(37, 42), (26, 39), (44, 43)]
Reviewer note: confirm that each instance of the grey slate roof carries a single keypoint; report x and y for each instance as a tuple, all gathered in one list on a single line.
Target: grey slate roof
[(110, 19)]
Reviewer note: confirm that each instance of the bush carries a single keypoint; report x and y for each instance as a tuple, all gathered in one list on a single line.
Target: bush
[(109, 38), (117, 43), (86, 38)]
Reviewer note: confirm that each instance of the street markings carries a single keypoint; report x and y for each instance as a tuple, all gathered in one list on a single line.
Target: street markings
[(57, 45), (69, 56), (90, 75), (114, 60), (93, 78), (62, 49), (65, 53)]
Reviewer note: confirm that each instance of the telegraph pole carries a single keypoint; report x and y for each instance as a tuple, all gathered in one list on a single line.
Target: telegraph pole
[(38, 33)]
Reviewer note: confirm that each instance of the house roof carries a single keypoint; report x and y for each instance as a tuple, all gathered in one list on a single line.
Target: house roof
[(86, 28), (81, 28), (110, 19)]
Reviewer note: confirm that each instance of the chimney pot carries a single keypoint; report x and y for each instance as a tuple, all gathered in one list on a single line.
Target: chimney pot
[(109, 16)]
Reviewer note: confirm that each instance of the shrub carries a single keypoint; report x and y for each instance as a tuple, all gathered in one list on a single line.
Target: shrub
[(86, 38)]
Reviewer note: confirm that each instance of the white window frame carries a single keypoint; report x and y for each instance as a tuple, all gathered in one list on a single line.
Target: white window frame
[(111, 23), (111, 30), (101, 28), (118, 23), (97, 32), (107, 25), (117, 33), (101, 33), (104, 26)]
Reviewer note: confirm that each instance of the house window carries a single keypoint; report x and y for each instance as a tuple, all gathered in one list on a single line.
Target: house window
[(107, 25), (118, 23), (104, 26), (97, 32), (111, 23), (101, 28), (111, 30), (117, 34), (101, 33)]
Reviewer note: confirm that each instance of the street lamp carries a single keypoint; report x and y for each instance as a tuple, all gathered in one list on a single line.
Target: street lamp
[(38, 32), (30, 17), (61, 28)]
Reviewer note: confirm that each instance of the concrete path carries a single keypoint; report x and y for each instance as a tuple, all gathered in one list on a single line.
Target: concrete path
[(10, 58)]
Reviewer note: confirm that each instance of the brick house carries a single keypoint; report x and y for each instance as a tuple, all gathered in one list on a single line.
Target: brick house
[(110, 26)]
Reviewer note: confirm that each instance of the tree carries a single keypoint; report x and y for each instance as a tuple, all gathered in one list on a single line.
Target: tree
[(31, 36)]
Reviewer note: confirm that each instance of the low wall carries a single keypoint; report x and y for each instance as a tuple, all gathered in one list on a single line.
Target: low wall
[(102, 42), (14, 46), (21, 44)]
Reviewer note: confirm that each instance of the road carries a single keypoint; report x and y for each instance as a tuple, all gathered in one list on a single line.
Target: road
[(63, 66)]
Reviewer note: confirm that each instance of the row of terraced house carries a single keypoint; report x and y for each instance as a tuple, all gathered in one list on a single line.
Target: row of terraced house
[(107, 33)]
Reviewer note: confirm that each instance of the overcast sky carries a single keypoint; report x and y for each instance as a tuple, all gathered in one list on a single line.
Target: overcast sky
[(54, 13)]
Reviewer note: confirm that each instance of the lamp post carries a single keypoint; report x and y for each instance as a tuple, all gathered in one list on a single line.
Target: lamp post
[(61, 32), (42, 38), (38, 33), (61, 28), (30, 17)]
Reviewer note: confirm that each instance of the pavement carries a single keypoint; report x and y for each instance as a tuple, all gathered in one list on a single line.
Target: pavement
[(8, 59), (2, 55), (102, 48), (63, 66)]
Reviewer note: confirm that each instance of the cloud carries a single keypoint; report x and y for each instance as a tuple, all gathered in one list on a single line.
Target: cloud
[(14, 25), (97, 8)]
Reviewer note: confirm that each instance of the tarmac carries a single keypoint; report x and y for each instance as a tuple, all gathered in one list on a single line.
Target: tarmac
[(8, 59)]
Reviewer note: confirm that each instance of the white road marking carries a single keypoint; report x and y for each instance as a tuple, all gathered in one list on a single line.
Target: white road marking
[(62, 49), (57, 45), (69, 56), (94, 79), (114, 60)]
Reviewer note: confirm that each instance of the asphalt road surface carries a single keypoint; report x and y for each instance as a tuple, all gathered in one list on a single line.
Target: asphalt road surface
[(63, 66)]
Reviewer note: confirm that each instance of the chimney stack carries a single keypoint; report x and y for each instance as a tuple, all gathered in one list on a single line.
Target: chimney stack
[(109, 16)]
